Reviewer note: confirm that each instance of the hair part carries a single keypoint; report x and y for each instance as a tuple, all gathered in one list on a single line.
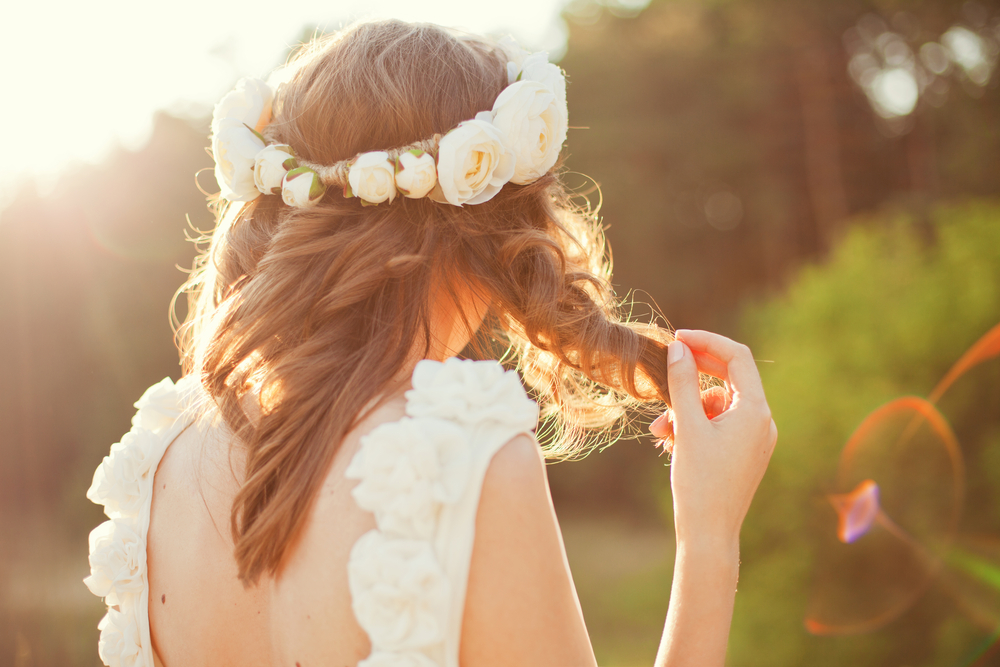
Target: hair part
[(319, 309)]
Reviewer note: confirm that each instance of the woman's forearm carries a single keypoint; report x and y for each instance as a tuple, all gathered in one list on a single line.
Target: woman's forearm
[(701, 604)]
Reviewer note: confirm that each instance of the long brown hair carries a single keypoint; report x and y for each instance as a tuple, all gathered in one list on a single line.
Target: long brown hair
[(319, 308)]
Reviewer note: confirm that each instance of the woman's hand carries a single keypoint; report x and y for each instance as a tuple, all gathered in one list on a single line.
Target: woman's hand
[(720, 451), (721, 447)]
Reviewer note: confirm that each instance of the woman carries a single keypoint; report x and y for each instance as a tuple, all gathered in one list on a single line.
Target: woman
[(328, 485)]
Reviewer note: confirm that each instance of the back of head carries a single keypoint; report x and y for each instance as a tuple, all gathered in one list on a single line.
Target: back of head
[(319, 308)]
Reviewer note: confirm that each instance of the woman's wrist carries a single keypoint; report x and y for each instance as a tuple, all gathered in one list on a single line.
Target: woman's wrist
[(712, 547)]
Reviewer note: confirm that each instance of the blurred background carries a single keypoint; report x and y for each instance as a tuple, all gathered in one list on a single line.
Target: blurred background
[(818, 179)]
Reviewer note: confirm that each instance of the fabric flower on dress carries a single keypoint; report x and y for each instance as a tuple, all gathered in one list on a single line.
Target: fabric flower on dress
[(470, 392), (119, 644), (117, 561), (398, 591), (120, 481), (237, 121), (407, 470), (408, 659), (159, 407)]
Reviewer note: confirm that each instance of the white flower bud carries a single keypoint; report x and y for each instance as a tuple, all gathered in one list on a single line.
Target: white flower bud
[(270, 167), (373, 178), (302, 188), (416, 174)]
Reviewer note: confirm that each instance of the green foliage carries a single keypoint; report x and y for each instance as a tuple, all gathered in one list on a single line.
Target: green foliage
[(897, 303)]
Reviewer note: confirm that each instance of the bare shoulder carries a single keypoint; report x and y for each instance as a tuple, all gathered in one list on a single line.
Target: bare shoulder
[(521, 607)]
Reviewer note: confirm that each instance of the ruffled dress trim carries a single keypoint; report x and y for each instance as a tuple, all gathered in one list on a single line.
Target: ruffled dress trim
[(421, 477), (123, 484)]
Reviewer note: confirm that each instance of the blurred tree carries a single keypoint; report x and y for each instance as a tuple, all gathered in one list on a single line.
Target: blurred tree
[(87, 275), (886, 315), (731, 143)]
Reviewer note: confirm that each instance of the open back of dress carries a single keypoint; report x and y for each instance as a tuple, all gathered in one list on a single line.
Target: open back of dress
[(419, 476)]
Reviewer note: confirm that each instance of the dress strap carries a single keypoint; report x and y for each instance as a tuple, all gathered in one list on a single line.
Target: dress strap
[(422, 477)]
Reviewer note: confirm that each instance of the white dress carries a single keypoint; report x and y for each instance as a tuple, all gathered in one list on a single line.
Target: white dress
[(420, 476)]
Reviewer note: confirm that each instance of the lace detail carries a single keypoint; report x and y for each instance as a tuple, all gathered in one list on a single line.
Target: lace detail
[(123, 483), (415, 477)]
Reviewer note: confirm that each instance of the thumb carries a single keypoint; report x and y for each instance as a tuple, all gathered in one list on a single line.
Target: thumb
[(682, 378)]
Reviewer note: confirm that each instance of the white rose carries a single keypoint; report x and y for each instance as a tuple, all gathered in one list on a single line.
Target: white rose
[(398, 591), (373, 178), (116, 561), (270, 166), (416, 174), (302, 188), (244, 111), (515, 57), (407, 659), (119, 643), (534, 126), (537, 67), (473, 163), (120, 481)]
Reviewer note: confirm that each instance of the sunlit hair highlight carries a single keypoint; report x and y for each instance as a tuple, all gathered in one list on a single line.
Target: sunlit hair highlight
[(317, 310)]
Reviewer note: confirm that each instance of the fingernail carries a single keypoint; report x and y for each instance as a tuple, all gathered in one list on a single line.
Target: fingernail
[(675, 352)]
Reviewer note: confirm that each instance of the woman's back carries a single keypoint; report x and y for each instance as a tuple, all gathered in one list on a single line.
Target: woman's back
[(199, 611), (382, 566)]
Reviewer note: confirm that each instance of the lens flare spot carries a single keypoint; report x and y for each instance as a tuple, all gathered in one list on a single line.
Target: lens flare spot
[(856, 510)]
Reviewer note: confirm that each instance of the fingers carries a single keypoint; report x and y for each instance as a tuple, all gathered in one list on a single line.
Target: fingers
[(682, 378), (709, 365), (715, 400), (663, 426), (742, 370)]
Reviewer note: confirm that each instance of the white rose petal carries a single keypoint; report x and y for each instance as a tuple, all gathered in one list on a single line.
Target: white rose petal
[(398, 591), (417, 174), (515, 57), (534, 125), (538, 68), (270, 166), (473, 163), (372, 177), (119, 643), (242, 111), (234, 148), (302, 188), (249, 103), (116, 561)]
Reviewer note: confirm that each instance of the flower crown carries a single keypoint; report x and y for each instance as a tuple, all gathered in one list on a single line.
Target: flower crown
[(518, 141)]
